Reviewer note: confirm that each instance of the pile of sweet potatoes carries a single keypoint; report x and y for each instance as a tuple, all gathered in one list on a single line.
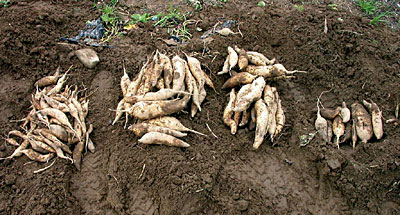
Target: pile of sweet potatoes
[(254, 102), (161, 88), (56, 124), (362, 122)]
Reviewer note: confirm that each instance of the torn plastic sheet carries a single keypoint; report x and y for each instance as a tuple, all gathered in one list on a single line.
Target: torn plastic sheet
[(90, 36)]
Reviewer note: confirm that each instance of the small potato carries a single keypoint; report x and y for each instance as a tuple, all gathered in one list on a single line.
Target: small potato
[(240, 78), (363, 122), (162, 139)]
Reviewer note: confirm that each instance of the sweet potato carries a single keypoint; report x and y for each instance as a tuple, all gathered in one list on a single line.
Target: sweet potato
[(12, 141), (125, 82), (89, 142), (157, 69), (195, 68), (338, 128), (233, 57), (240, 78), (244, 100), (35, 156), (252, 122), (48, 80), (228, 112), (225, 68), (208, 80), (172, 123), (245, 118), (152, 109), (377, 123), (259, 59), (133, 87), (230, 61), (243, 59), (271, 98), (119, 111), (77, 155), (59, 132), (321, 125), (192, 86), (330, 114), (162, 139), (43, 104), (354, 133), (168, 71), (17, 152), (160, 95), (345, 113), (55, 104), (261, 124), (40, 146), (47, 134), (347, 133), (160, 83), (263, 71), (280, 118), (60, 83), (329, 134), (202, 96), (59, 115), (85, 108), (179, 73), (57, 149), (363, 122), (143, 128)]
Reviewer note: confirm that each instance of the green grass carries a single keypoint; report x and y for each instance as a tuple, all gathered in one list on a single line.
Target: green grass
[(379, 18), (299, 7), (112, 21), (368, 6), (173, 18), (4, 3)]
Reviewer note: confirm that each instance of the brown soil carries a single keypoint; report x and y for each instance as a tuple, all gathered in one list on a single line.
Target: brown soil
[(214, 176)]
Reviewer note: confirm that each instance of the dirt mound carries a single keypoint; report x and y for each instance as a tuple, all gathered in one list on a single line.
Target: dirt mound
[(215, 176)]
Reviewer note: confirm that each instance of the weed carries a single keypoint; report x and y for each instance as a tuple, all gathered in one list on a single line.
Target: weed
[(172, 19), (379, 18), (368, 6), (197, 4), (110, 18), (141, 18), (261, 4), (299, 7), (4, 3), (333, 6)]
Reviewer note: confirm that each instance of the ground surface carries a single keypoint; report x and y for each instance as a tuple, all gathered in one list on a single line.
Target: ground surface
[(215, 176)]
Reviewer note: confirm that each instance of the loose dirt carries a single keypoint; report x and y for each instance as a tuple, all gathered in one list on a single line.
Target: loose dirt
[(214, 176)]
